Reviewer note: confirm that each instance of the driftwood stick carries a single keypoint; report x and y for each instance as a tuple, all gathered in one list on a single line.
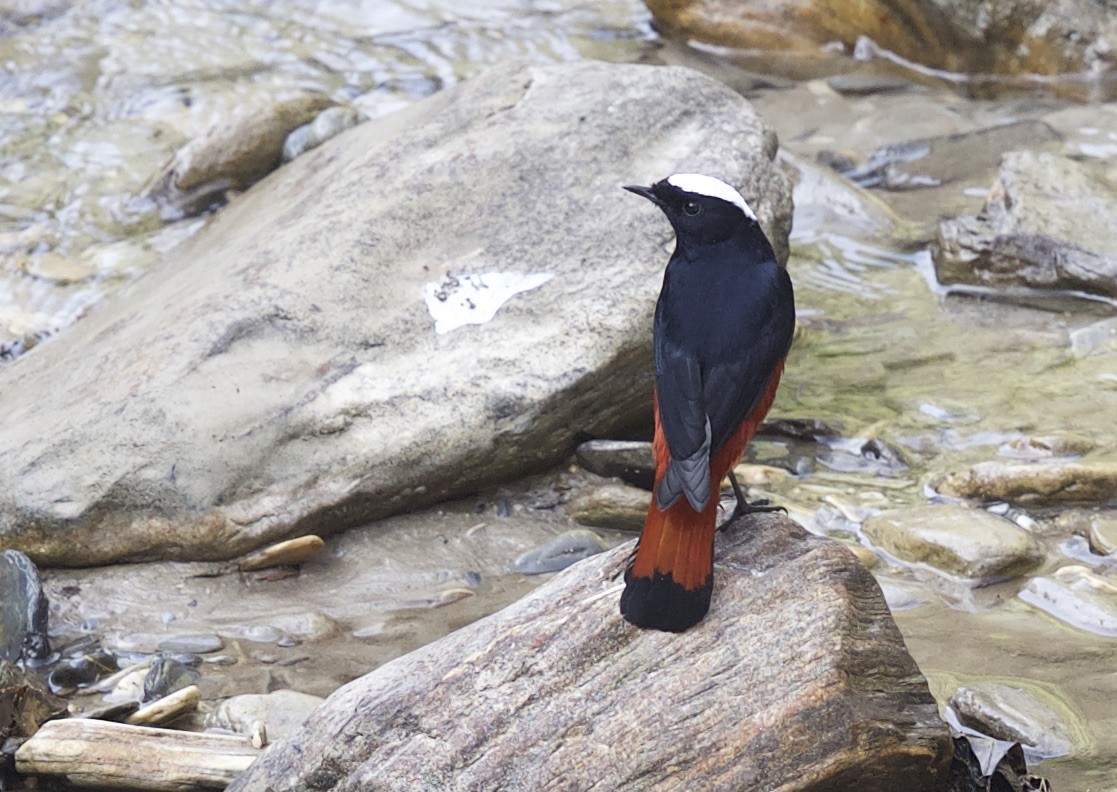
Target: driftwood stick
[(92, 753), (166, 709)]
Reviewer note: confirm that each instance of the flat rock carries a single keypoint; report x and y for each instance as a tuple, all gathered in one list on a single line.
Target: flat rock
[(1026, 715), (629, 460), (961, 542), (616, 506), (797, 680), (957, 35), (252, 389), (1039, 484), (282, 712), (1046, 224), (564, 550)]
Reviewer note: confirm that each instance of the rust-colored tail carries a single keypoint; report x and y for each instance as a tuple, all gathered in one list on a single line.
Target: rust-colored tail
[(670, 580)]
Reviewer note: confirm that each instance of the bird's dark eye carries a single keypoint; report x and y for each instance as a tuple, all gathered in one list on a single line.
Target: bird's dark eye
[(692, 208)]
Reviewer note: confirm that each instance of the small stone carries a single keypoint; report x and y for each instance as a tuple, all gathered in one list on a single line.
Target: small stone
[(866, 83), (559, 553), (631, 461), (281, 712), (261, 633), (130, 687), (201, 643), (763, 477), (1007, 712), (56, 268), (961, 542), (293, 551), (1103, 534), (330, 122), (1039, 484), (1076, 596), (450, 596), (1046, 446), (23, 609), (167, 676), (258, 734), (616, 506)]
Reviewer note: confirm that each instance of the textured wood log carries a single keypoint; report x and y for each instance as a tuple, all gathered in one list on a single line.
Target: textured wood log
[(797, 680), (94, 753)]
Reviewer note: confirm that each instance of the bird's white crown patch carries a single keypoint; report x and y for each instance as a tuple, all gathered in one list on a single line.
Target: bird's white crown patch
[(715, 188)]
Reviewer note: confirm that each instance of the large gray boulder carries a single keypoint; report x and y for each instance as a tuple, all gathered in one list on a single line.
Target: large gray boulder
[(1047, 223), (283, 374), (1008, 36), (798, 679)]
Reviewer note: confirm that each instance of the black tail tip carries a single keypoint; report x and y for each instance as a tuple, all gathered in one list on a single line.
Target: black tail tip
[(659, 603)]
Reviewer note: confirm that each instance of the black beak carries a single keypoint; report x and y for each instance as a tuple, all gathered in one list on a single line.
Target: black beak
[(646, 192)]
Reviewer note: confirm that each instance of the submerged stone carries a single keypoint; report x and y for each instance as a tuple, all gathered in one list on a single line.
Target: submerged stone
[(962, 542), (1027, 715), (1076, 596), (559, 553)]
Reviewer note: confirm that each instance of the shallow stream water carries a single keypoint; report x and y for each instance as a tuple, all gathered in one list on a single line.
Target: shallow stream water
[(95, 96)]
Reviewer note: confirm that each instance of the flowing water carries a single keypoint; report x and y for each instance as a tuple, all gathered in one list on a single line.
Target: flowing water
[(95, 96)]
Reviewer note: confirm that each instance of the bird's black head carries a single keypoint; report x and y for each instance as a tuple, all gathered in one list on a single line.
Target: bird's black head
[(702, 209)]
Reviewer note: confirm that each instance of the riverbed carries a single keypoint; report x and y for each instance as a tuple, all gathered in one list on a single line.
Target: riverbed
[(95, 97)]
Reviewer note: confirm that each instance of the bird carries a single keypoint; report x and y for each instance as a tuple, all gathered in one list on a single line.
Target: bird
[(722, 330)]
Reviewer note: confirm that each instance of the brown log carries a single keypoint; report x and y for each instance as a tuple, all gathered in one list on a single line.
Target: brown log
[(94, 753)]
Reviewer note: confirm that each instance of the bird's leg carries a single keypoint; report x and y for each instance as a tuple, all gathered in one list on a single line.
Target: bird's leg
[(744, 507)]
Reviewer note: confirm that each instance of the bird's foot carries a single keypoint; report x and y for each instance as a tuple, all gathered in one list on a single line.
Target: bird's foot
[(761, 506)]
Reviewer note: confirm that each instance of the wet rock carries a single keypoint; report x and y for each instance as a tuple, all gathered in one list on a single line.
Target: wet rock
[(25, 702), (1031, 717), (947, 159), (202, 643), (167, 676), (1076, 596), (1046, 224), (1045, 447), (868, 83), (764, 477), (269, 308), (330, 122), (559, 553), (110, 712), (628, 460), (81, 671), (293, 551), (1008, 36), (23, 609), (282, 712), (505, 701), (129, 685), (232, 155), (1039, 484), (615, 506), (1103, 535), (962, 542), (902, 595)]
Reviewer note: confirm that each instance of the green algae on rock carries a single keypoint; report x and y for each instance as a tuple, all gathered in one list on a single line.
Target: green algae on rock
[(1037, 484), (965, 543)]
